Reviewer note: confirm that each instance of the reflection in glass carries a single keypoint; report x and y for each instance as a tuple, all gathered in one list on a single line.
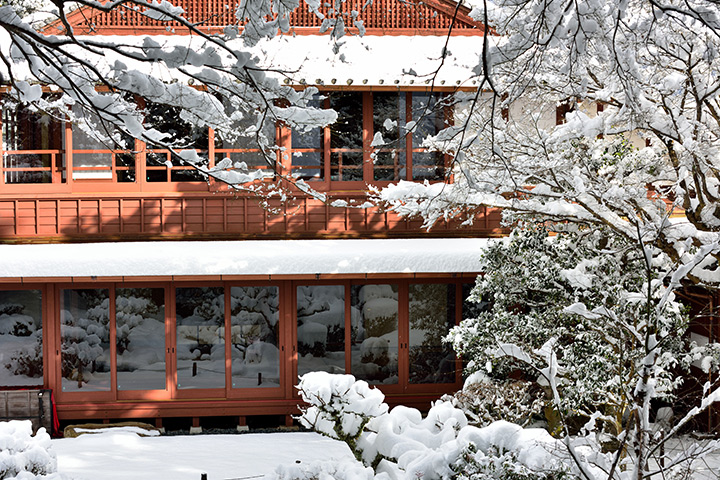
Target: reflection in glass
[(93, 143), (23, 129), (85, 339), (200, 317), (179, 132), (307, 145), (321, 328), (140, 334), (254, 336), (244, 143), (21, 355), (94, 164), (346, 137), (429, 116), (432, 315), (346, 166), (389, 114), (374, 333)]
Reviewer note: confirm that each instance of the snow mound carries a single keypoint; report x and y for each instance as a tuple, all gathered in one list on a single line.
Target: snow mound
[(26, 456)]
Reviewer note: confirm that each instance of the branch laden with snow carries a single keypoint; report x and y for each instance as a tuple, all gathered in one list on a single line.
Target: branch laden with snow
[(640, 80)]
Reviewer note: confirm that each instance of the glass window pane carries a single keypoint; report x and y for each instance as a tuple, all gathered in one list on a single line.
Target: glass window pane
[(28, 167), (429, 116), (92, 166), (200, 326), (308, 166), (321, 328), (245, 136), (254, 336), (180, 133), (125, 167), (25, 130), (428, 166), (85, 339), (374, 333), (140, 333), (389, 118), (346, 166), (307, 150), (21, 354), (92, 154), (432, 315), (347, 131)]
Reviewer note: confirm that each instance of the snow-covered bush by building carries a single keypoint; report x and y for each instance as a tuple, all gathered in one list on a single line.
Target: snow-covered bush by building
[(339, 407), (402, 444), (24, 456)]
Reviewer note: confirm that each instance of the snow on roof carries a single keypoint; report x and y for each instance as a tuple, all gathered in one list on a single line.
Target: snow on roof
[(250, 257), (402, 61), (374, 60)]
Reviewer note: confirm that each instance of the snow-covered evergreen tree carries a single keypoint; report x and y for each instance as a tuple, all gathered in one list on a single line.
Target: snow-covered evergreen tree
[(541, 289)]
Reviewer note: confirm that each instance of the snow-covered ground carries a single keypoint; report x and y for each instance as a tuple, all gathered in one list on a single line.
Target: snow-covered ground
[(118, 455)]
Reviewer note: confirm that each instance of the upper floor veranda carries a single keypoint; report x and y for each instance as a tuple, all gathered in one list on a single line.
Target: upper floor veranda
[(57, 182), (60, 182)]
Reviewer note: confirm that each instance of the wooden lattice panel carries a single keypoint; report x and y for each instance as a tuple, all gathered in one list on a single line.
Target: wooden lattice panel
[(379, 17)]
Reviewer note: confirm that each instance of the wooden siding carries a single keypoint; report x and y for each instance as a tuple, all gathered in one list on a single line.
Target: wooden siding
[(97, 217)]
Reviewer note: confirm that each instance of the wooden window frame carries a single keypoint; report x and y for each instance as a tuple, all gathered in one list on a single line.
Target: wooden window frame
[(403, 386), (325, 150)]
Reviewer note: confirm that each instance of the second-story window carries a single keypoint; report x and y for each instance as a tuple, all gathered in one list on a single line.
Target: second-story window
[(307, 161), (346, 137), (181, 135), (377, 137), (97, 156), (243, 147), (32, 146), (429, 117)]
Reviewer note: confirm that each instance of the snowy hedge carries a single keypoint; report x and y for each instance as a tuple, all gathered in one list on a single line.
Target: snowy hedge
[(24, 456), (402, 444)]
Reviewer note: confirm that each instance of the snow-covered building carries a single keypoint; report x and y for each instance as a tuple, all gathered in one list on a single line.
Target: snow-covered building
[(133, 287)]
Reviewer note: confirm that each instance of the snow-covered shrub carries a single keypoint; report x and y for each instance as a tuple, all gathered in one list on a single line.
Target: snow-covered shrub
[(402, 444), (485, 401), (474, 464), (544, 287), (339, 407), (24, 456)]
